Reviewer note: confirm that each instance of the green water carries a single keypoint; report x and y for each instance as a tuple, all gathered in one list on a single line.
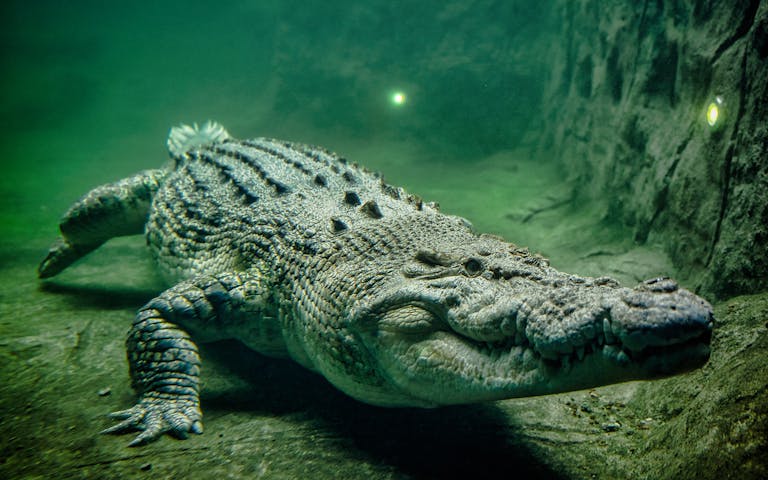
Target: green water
[(89, 91)]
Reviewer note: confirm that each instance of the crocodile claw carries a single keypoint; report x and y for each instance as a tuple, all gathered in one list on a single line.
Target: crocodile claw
[(155, 416)]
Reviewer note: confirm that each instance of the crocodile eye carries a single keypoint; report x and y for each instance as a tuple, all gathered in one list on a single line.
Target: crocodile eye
[(473, 266)]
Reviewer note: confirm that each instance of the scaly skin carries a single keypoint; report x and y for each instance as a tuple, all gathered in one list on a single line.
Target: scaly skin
[(297, 253)]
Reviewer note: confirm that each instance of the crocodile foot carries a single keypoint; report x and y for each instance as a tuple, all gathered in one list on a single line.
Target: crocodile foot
[(156, 416)]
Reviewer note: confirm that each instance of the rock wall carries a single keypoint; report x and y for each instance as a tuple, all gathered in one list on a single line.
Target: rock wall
[(615, 90), (624, 111)]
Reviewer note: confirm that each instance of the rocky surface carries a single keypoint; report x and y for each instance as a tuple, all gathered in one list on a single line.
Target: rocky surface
[(615, 91), (626, 103), (63, 368)]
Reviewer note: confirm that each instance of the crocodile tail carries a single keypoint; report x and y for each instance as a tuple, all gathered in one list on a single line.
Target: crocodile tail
[(184, 138)]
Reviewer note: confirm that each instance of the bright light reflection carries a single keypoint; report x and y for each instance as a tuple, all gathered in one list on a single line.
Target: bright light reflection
[(714, 112), (398, 98)]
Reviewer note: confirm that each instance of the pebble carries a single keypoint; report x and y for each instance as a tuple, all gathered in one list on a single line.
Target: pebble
[(611, 426), (645, 424)]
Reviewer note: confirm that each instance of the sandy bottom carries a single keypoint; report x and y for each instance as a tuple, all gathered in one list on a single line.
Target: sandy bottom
[(62, 357), (86, 106)]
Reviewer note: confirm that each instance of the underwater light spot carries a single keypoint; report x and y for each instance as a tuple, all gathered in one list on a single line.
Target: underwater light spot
[(398, 98), (714, 113)]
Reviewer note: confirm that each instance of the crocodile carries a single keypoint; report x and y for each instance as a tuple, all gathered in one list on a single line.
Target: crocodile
[(298, 253)]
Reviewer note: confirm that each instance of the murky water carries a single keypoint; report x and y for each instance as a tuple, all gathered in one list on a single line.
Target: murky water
[(89, 92)]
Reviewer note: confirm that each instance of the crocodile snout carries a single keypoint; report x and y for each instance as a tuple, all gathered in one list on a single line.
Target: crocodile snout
[(657, 313)]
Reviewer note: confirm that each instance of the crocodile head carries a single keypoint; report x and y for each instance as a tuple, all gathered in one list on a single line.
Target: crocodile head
[(485, 320)]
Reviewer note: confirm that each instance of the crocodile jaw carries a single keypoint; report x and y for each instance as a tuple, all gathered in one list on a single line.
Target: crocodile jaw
[(444, 368), (423, 346)]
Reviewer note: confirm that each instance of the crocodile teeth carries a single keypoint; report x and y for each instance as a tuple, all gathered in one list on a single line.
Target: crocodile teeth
[(623, 358), (610, 351), (609, 336), (580, 353), (617, 354)]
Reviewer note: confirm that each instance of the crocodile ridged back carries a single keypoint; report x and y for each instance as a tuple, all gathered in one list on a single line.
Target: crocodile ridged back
[(231, 203)]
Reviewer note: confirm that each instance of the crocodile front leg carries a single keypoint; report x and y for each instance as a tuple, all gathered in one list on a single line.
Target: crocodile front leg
[(164, 361)]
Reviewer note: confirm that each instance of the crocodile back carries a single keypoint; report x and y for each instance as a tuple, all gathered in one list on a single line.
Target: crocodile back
[(238, 202)]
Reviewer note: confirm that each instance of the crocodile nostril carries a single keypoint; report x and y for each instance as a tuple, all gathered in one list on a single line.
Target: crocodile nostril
[(651, 281), (473, 266), (660, 284)]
